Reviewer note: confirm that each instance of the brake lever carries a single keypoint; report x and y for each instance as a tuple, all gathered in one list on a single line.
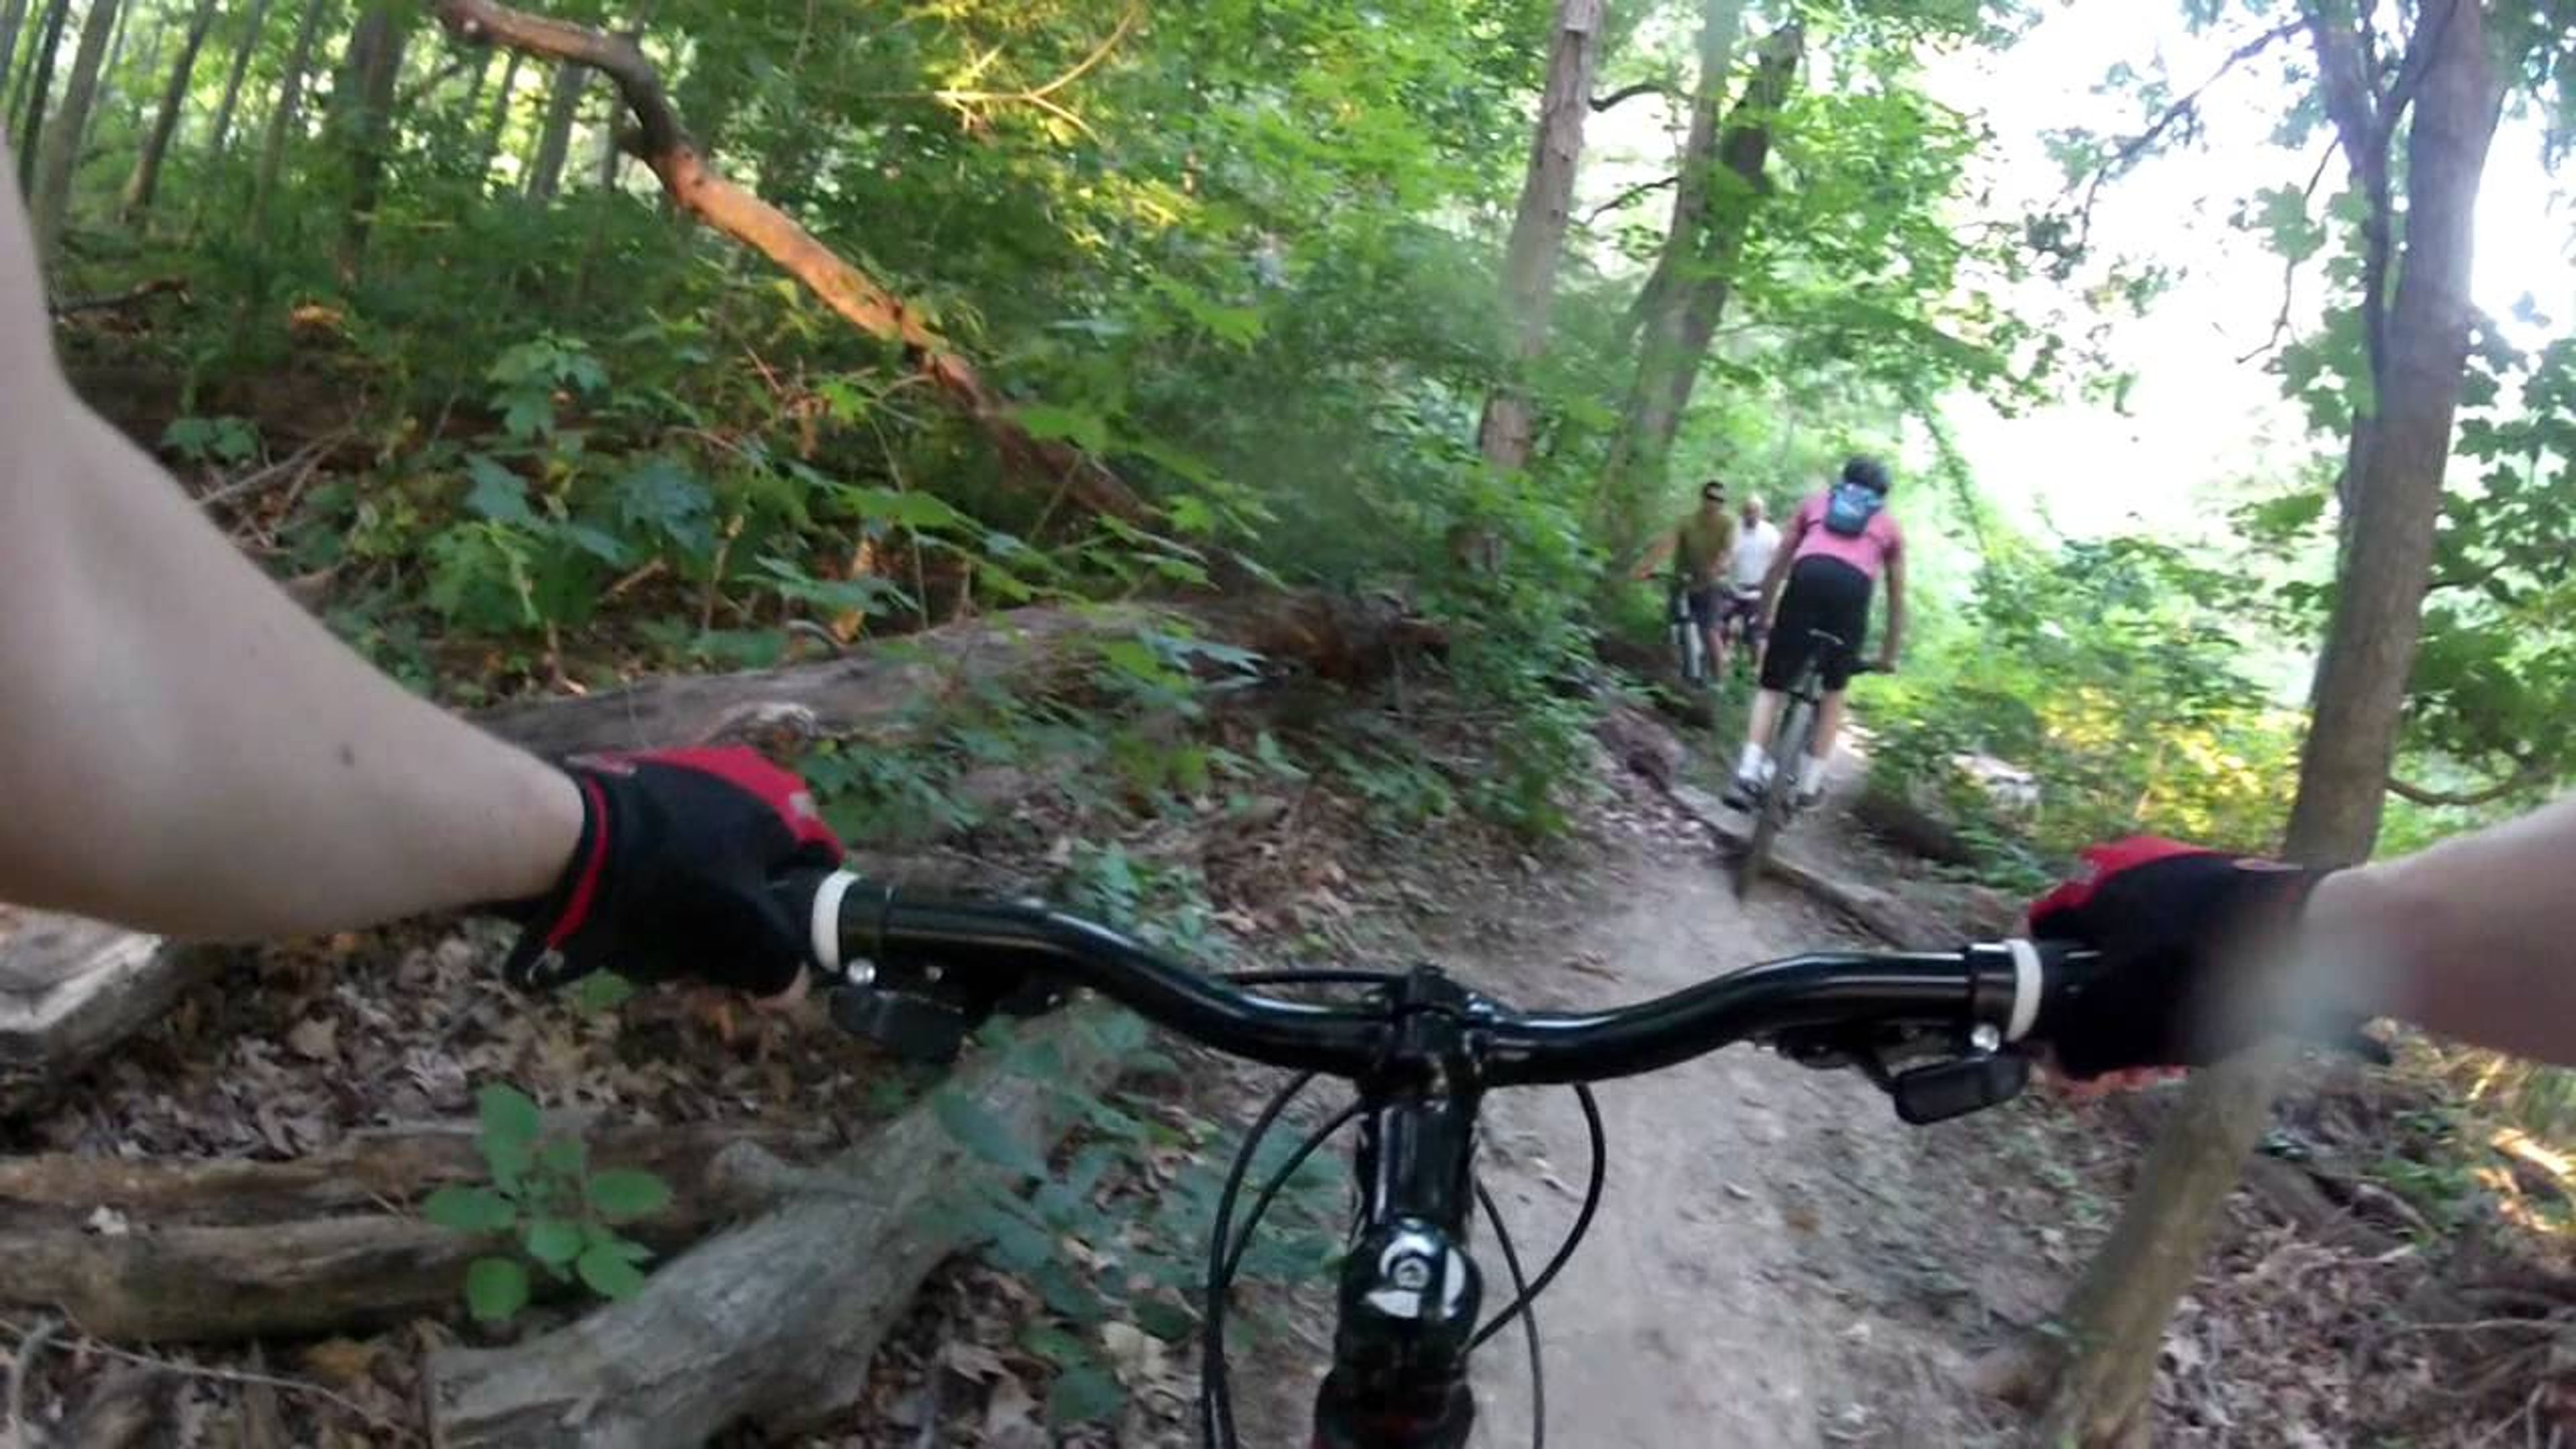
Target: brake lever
[(1978, 1075)]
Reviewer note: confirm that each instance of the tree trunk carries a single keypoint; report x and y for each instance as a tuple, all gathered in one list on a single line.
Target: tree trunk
[(108, 74), (13, 20), (1686, 296), (500, 115), (219, 1251), (2117, 1315), (554, 138), (367, 122), (1538, 230), (50, 211), (222, 135), (146, 180), (767, 1322), (287, 117), (36, 90)]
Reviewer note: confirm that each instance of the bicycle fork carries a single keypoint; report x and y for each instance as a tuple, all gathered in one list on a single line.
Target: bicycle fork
[(1410, 1294)]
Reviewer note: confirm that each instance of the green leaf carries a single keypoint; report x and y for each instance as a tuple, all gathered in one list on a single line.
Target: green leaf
[(554, 1241), (608, 1272), (469, 1209), (1164, 1319), (498, 494), (1048, 422), (1084, 1394), (564, 1157), (664, 496), (508, 1114), (623, 1194), (495, 1289), (600, 991), (987, 1136)]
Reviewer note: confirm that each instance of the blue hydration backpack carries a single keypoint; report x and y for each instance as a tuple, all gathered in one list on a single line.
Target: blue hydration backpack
[(1849, 507)]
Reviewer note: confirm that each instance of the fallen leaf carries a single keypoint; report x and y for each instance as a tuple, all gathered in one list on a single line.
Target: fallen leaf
[(973, 1360), (343, 1361), (315, 1038)]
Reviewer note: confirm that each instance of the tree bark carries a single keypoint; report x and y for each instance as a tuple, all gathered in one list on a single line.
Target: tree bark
[(554, 138), (1686, 296), (287, 118), (219, 1251), (220, 138), (2117, 1315), (662, 144), (767, 1322), (146, 180), (500, 123), (367, 124), (13, 21), (50, 210), (35, 91), (108, 73), (1538, 229)]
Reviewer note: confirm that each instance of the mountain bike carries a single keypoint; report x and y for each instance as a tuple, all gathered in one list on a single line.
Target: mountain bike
[(1690, 646), (1943, 1033), (1773, 809)]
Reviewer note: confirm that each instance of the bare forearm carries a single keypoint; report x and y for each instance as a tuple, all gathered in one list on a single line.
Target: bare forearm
[(2474, 938), (183, 749)]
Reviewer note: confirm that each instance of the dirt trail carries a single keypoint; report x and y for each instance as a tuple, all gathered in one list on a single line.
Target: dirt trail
[(1777, 1261)]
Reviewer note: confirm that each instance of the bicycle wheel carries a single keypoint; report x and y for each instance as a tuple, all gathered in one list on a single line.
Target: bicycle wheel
[(1771, 812)]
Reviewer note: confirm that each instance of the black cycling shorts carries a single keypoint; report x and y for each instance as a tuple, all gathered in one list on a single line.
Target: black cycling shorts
[(1822, 593)]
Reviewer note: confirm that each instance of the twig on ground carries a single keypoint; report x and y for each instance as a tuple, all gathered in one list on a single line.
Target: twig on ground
[(31, 1342), (35, 1337)]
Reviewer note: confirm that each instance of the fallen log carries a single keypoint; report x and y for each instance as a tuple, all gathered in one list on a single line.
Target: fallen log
[(774, 1321), (70, 988), (1878, 912), (880, 691), (213, 1252)]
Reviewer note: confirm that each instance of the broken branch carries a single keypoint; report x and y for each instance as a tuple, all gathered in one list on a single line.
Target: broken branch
[(663, 145)]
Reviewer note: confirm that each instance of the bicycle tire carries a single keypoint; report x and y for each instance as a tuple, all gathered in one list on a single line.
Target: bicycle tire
[(1771, 812)]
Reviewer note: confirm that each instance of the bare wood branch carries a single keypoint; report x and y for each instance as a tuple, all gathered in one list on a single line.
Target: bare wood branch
[(1630, 93), (1633, 193), (2135, 148), (2522, 779), (662, 144), (140, 291)]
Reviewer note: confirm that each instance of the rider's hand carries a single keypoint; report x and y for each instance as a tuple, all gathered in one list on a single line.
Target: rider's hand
[(2181, 931), (671, 875)]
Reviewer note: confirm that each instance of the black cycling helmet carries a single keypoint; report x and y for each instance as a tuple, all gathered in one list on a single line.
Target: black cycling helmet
[(1867, 472)]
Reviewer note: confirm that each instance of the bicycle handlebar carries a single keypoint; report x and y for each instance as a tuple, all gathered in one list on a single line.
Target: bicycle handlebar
[(860, 929)]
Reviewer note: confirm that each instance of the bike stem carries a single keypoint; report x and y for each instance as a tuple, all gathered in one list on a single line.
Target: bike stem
[(1410, 1295)]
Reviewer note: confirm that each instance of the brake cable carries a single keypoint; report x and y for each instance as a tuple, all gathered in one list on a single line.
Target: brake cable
[(1226, 1248)]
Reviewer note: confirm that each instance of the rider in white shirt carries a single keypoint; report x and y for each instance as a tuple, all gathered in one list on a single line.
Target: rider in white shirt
[(1756, 541)]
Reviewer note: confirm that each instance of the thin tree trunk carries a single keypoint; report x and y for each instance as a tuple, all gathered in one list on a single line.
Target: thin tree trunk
[(1538, 229), (222, 136), (37, 90), (2117, 1315), (283, 120), (374, 65), (1687, 294), (500, 115), (107, 76), (52, 204), (13, 19), (146, 180), (554, 140)]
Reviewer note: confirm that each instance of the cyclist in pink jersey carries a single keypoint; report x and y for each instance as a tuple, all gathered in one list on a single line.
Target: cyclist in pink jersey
[(1836, 545)]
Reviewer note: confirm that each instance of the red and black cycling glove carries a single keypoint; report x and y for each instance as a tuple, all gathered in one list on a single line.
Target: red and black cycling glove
[(2182, 931), (672, 874)]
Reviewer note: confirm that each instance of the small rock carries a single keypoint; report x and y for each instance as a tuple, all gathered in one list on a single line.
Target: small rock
[(107, 1222)]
